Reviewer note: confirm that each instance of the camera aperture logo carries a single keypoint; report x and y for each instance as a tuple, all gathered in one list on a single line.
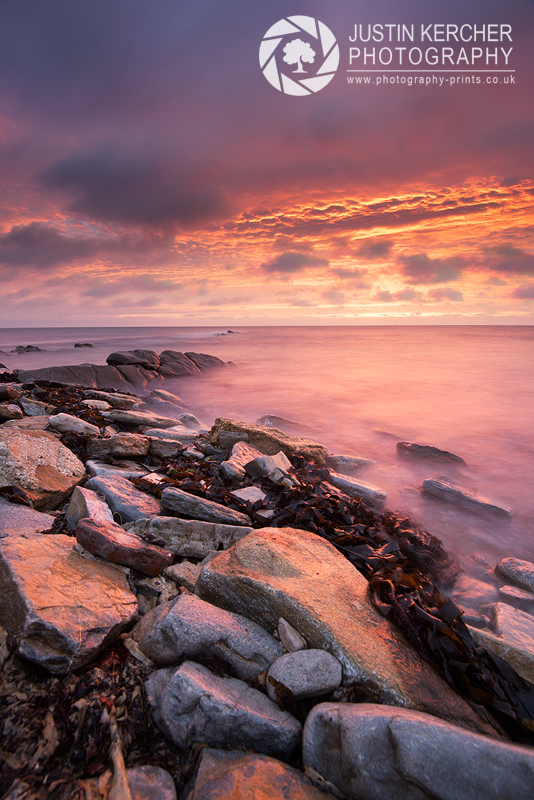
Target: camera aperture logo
[(299, 55)]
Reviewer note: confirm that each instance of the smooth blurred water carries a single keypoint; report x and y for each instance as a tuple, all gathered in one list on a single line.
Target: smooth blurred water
[(467, 389)]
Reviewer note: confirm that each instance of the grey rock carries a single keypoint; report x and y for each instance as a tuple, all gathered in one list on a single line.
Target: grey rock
[(139, 419), (138, 377), (100, 405), (36, 408), (164, 448), (122, 445), (176, 365), (290, 638), (191, 628), (227, 439), (184, 574), (169, 397), (10, 411), (190, 705), (62, 608), (67, 423), (347, 464), (242, 454), (150, 783), (18, 520), (271, 440), (379, 753), (286, 425), (458, 497), (190, 421), (28, 423), (115, 399), (306, 673), (250, 494), (263, 465), (188, 505), (473, 593), (160, 587), (9, 393), (86, 503), (205, 362), (426, 452), (357, 489), (518, 598), (517, 572), (125, 469), (123, 498), (177, 433), (143, 358), (189, 538), (162, 407), (513, 640)]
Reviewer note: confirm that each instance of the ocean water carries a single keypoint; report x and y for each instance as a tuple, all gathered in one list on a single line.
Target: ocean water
[(466, 389)]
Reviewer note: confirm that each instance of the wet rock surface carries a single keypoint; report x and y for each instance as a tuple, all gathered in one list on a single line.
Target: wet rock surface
[(107, 539), (86, 503), (426, 452), (453, 494), (517, 571), (270, 440), (306, 673), (123, 498), (512, 639), (355, 488), (188, 505), (18, 520), (189, 538)]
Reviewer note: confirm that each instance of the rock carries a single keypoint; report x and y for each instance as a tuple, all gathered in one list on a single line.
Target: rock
[(263, 465), (115, 399), (284, 572), (61, 607), (140, 358), (139, 418), (290, 638), (159, 587), (150, 783), (250, 494), (189, 538), (286, 425), (176, 365), (347, 464), (85, 503), (39, 464), (164, 448), (100, 405), (175, 434), (517, 572), (184, 574), (473, 593), (355, 488), (108, 540), (138, 377), (125, 469), (249, 776), (190, 421), (190, 705), (28, 423), (227, 439), (8, 393), (123, 498), (66, 423), (379, 753), (187, 505), (10, 411), (513, 640), (169, 397), (426, 452), (205, 362), (119, 446), (518, 598), (306, 673), (82, 344), (81, 375), (18, 520), (35, 408), (242, 454), (163, 407), (452, 494), (190, 628), (271, 440)]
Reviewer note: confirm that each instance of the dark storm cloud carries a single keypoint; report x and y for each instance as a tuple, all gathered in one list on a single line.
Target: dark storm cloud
[(509, 259), (523, 293), (293, 262), (420, 268), (375, 249)]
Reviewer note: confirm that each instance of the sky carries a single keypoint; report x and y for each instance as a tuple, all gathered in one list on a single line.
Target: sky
[(151, 175)]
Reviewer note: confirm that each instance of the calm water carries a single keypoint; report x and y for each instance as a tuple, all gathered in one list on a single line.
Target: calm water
[(465, 389)]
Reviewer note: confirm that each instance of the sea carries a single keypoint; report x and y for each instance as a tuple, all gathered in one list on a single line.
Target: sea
[(465, 389)]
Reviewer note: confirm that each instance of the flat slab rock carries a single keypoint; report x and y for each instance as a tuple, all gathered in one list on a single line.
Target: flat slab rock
[(518, 598), (189, 538), (18, 520), (108, 540), (453, 494), (223, 775), (61, 607), (356, 488), (188, 627), (517, 571), (380, 753), (513, 640), (139, 418), (122, 445), (190, 704), (38, 463), (86, 503), (69, 423), (188, 505), (284, 572), (347, 464), (426, 452), (270, 440), (124, 469), (123, 498)]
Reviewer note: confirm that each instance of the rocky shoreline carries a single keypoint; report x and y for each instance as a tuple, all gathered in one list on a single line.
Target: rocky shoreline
[(230, 612)]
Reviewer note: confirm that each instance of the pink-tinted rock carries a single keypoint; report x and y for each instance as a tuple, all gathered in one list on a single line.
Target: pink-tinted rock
[(109, 540)]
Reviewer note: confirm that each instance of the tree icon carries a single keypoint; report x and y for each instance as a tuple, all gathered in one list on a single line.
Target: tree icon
[(296, 51)]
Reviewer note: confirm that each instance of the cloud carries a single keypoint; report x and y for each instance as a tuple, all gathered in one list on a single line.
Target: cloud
[(385, 296), (523, 292), (375, 249), (335, 297), (302, 303), (506, 258), (420, 268), (352, 274), (133, 283), (292, 261), (40, 245), (444, 293)]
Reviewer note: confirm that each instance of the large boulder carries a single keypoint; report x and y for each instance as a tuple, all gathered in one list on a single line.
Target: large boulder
[(16, 520), (176, 365), (517, 571), (426, 452), (270, 440), (61, 607), (38, 463), (205, 362), (284, 572), (190, 628), (379, 753), (190, 704), (142, 358), (189, 538)]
